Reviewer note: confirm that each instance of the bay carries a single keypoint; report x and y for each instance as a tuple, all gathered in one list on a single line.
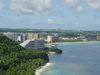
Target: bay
[(76, 59)]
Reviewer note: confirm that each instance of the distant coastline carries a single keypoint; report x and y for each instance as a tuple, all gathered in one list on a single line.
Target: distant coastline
[(70, 42)]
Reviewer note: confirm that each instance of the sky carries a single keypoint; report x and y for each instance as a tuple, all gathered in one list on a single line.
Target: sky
[(50, 14)]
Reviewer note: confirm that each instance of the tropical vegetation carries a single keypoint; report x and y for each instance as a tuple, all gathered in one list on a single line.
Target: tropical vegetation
[(16, 60)]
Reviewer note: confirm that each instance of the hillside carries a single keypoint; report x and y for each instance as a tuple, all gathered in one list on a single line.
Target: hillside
[(16, 60)]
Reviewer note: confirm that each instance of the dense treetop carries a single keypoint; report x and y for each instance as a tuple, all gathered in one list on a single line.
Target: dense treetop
[(16, 60)]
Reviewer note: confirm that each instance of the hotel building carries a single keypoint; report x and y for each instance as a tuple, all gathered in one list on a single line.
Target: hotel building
[(33, 36), (36, 44)]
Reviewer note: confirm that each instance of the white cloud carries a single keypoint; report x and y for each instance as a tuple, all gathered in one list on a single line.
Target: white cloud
[(74, 4), (93, 3), (80, 9), (70, 3), (50, 20), (35, 7), (44, 7)]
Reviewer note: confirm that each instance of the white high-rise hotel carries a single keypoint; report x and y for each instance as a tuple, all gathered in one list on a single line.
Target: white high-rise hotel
[(35, 44)]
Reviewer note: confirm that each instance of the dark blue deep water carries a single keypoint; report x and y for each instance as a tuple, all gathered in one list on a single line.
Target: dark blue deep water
[(77, 59)]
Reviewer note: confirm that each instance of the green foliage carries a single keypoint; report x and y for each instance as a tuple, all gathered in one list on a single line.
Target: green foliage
[(16, 60), (26, 68), (90, 35), (54, 49), (69, 34)]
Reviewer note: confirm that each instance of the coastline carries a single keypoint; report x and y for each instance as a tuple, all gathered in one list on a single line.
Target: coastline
[(70, 42), (42, 68)]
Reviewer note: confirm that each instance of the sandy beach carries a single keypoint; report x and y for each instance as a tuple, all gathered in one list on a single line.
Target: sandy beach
[(42, 68), (52, 53)]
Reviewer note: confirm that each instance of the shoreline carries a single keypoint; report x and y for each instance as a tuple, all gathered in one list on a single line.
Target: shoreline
[(70, 42), (42, 68)]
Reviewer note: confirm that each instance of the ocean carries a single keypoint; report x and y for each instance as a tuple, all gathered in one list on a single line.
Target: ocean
[(76, 59)]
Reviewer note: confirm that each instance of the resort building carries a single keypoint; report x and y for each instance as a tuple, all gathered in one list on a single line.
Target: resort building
[(98, 37), (22, 37), (10, 35), (19, 38), (36, 44), (33, 36), (52, 38)]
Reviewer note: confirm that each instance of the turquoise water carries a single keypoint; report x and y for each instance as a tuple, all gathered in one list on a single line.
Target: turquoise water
[(77, 59)]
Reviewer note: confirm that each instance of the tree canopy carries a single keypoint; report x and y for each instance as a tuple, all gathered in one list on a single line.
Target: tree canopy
[(16, 60)]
